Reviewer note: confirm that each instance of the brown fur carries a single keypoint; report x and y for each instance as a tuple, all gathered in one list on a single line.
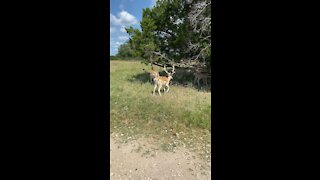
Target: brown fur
[(201, 76), (161, 80), (152, 73)]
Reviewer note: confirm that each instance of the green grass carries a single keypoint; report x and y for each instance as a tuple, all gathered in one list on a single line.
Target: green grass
[(180, 117)]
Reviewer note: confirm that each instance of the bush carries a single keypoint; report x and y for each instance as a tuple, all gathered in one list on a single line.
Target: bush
[(114, 58), (125, 58)]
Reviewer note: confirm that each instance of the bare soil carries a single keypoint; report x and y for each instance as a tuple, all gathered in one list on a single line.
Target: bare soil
[(143, 159)]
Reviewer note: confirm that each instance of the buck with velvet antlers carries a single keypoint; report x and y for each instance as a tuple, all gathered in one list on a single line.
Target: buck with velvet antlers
[(163, 81)]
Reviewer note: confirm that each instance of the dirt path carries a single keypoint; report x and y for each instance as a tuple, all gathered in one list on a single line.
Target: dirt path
[(139, 159)]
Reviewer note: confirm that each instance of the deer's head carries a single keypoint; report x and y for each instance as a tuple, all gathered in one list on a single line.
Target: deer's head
[(170, 74)]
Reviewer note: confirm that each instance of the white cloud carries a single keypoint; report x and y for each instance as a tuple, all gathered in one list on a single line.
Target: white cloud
[(123, 38), (116, 44), (153, 3), (118, 23), (122, 29), (124, 19)]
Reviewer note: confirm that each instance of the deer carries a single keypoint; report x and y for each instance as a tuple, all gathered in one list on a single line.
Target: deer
[(153, 74), (201, 74), (163, 81)]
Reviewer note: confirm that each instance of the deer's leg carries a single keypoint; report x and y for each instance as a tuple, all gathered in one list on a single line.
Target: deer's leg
[(195, 80), (164, 89), (159, 88), (154, 89), (168, 87)]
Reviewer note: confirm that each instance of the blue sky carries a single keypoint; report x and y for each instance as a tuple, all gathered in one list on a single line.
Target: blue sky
[(125, 13)]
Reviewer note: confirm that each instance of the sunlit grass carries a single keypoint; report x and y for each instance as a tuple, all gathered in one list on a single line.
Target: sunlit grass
[(182, 115)]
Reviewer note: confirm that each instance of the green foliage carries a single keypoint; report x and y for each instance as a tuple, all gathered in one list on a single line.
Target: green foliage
[(143, 42), (172, 33), (176, 29), (125, 51), (125, 58), (114, 58)]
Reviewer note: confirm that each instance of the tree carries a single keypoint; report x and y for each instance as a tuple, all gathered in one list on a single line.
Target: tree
[(125, 51), (143, 42), (199, 22), (175, 32)]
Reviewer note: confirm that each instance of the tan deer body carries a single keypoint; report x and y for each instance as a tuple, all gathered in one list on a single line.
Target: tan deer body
[(153, 74), (163, 81), (201, 74)]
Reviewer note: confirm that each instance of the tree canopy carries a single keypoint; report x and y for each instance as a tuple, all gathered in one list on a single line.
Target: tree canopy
[(176, 32)]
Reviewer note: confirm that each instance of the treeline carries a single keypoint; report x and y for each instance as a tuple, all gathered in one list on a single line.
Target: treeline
[(125, 58), (125, 52), (174, 32)]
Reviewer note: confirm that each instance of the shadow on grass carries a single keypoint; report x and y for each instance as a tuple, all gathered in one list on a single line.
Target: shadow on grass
[(142, 78), (180, 78)]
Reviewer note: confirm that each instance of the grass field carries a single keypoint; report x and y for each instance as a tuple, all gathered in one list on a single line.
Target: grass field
[(182, 117)]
